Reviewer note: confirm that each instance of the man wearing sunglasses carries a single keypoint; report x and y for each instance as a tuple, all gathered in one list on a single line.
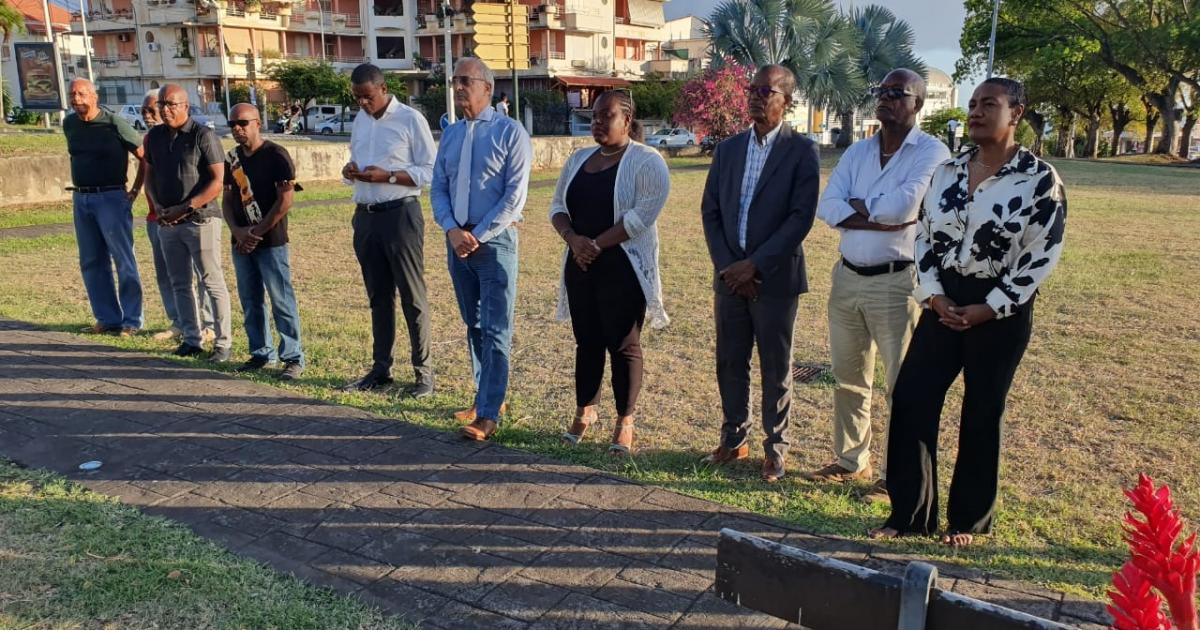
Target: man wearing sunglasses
[(758, 206), (872, 200), (480, 180), (259, 184), (185, 170)]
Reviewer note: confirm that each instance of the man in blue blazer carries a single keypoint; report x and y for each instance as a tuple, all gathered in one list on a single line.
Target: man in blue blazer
[(759, 203)]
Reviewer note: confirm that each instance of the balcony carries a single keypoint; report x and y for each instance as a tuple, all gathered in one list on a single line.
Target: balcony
[(668, 67), (586, 19), (98, 21), (548, 15), (459, 25)]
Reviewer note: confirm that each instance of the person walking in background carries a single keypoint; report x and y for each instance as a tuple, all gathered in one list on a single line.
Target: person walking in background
[(605, 207), (185, 169), (872, 200), (502, 105), (480, 181), (990, 232), (758, 205), (259, 183), (150, 116), (100, 144), (391, 158)]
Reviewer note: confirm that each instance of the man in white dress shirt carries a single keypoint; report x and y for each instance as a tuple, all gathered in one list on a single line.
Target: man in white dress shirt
[(391, 158), (873, 198)]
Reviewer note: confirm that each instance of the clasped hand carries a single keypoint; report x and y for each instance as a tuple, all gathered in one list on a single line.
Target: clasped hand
[(584, 250), (370, 174), (245, 238), (173, 215), (960, 318), (463, 242), (742, 278)]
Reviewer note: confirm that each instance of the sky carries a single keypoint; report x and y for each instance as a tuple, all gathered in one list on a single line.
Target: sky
[(937, 24)]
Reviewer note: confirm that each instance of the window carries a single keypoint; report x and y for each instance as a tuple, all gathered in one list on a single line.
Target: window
[(389, 8), (390, 47)]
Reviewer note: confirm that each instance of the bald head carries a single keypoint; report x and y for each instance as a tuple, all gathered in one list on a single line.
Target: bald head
[(903, 77), (243, 111), (150, 110), (246, 126), (779, 77), (899, 98), (173, 105), (82, 96)]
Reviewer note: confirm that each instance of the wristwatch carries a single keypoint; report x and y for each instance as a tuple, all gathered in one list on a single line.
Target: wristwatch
[(391, 177)]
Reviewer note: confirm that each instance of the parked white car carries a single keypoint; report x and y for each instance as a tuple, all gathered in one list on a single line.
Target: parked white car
[(131, 113), (334, 124), (671, 137)]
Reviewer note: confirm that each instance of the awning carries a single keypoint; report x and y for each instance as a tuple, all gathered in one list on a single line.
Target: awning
[(609, 82)]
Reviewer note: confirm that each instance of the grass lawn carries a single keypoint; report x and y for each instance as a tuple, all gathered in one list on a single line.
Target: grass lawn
[(70, 559), (1110, 386)]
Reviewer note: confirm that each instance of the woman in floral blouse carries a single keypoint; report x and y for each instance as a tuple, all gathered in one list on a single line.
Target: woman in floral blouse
[(990, 232)]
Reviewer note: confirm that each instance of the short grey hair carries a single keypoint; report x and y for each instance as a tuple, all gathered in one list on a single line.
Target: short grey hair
[(487, 75)]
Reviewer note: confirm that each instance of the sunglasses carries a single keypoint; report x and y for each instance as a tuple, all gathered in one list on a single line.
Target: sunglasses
[(891, 93), (762, 91), (241, 123)]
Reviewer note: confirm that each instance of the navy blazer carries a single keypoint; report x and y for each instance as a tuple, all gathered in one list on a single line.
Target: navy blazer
[(780, 215)]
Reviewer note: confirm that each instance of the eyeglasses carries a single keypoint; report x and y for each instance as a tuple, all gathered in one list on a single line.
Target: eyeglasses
[(241, 123), (891, 93), (462, 81), (171, 104), (762, 91)]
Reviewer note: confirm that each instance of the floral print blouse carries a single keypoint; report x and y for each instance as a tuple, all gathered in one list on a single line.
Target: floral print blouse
[(1011, 229)]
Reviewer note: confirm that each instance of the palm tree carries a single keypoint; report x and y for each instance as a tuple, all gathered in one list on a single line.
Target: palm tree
[(885, 43), (809, 37), (11, 21)]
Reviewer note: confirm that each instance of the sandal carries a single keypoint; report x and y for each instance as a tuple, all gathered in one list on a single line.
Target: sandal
[(622, 439), (582, 421)]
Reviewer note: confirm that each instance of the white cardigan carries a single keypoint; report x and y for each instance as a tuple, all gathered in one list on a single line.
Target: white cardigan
[(643, 183)]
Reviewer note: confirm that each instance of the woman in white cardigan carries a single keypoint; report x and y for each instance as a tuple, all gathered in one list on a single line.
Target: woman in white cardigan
[(605, 208)]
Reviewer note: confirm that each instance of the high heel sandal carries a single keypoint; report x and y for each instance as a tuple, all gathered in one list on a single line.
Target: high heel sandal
[(622, 439), (582, 421)]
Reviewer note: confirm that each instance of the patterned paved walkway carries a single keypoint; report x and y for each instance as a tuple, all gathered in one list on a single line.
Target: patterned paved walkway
[(410, 519)]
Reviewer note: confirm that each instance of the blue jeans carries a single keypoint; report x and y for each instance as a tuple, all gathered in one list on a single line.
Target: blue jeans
[(269, 268), (104, 232), (163, 279), (485, 284)]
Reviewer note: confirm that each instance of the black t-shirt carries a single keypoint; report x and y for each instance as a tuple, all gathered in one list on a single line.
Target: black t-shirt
[(180, 161), (265, 169), (100, 149)]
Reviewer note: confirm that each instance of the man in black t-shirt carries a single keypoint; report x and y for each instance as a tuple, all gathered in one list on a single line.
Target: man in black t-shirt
[(100, 144), (259, 185)]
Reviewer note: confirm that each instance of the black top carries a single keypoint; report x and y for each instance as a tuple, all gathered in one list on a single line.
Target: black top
[(180, 161), (266, 168), (590, 201), (100, 149)]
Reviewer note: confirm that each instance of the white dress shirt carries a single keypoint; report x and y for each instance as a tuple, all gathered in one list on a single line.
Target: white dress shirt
[(399, 140), (757, 152), (892, 194)]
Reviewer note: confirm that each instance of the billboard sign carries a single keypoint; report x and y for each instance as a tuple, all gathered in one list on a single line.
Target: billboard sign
[(37, 76)]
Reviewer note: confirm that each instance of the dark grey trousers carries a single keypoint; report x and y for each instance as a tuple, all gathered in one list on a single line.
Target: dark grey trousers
[(741, 323), (390, 247)]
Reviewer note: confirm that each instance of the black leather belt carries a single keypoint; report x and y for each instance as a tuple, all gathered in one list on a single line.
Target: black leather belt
[(95, 189), (384, 206), (876, 270)]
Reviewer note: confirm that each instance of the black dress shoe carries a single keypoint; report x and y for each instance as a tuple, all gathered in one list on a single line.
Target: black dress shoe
[(253, 364), (188, 350), (291, 371), (220, 355), (373, 380), (421, 389)]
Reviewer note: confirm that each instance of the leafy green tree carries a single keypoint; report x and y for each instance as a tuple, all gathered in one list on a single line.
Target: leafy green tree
[(655, 96), (810, 37), (885, 43), (305, 80), (934, 123), (12, 22)]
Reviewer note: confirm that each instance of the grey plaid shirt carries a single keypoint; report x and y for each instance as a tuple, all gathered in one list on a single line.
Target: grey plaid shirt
[(756, 158)]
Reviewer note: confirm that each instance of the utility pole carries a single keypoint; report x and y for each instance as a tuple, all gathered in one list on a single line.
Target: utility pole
[(447, 13), (57, 56), (512, 47), (992, 44), (321, 12), (87, 42)]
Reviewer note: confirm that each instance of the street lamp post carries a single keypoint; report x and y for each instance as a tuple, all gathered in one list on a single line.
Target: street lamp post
[(447, 14), (321, 13), (992, 42), (87, 43)]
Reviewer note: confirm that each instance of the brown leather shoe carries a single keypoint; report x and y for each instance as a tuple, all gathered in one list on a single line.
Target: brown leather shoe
[(469, 415), (725, 455), (878, 493), (478, 430), (835, 473), (772, 468)]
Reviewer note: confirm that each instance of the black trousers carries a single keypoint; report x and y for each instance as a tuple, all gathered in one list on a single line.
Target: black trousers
[(608, 309), (390, 246), (768, 322), (987, 356)]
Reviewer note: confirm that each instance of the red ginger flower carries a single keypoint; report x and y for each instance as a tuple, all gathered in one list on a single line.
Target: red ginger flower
[(1155, 561)]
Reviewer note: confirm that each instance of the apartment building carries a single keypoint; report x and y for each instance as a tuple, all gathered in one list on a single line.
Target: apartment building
[(685, 51), (139, 45)]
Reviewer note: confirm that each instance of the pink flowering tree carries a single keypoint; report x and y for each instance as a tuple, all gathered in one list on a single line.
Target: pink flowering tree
[(715, 101)]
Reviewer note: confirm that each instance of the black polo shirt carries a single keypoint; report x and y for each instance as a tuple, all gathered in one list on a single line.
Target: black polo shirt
[(99, 149), (269, 166), (180, 160)]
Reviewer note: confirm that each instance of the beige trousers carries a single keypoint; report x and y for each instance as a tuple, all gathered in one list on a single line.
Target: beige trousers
[(866, 313)]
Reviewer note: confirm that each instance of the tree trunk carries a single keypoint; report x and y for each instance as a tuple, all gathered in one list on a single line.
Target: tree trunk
[(1066, 134), (1091, 149), (1037, 122), (1151, 123), (1164, 102), (1121, 117), (846, 138), (1185, 138)]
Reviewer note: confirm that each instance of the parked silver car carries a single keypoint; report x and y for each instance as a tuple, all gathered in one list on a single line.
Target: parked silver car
[(671, 137)]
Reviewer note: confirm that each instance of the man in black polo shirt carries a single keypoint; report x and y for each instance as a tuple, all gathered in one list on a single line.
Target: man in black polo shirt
[(259, 184), (185, 170), (100, 144)]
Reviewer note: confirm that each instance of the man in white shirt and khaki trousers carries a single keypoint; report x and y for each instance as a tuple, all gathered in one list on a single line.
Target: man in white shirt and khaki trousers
[(872, 199)]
